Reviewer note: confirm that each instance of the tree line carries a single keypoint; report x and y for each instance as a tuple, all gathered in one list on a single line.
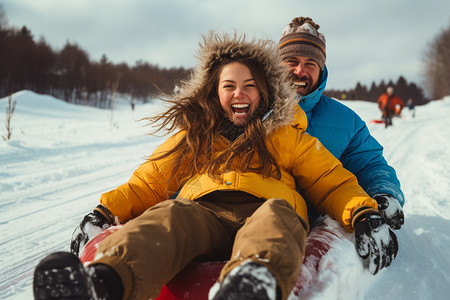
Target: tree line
[(69, 74), (401, 87)]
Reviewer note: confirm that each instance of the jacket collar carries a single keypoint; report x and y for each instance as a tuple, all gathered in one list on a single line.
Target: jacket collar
[(308, 102)]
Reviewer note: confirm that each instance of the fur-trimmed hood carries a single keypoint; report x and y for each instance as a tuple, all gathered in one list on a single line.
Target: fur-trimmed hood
[(216, 46)]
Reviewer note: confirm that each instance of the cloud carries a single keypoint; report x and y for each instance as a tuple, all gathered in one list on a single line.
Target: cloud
[(366, 40)]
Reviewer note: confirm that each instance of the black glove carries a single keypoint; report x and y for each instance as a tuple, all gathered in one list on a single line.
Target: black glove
[(376, 243), (391, 210), (93, 223)]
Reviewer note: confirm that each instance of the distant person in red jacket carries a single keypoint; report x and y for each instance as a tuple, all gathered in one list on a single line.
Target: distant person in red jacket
[(390, 104)]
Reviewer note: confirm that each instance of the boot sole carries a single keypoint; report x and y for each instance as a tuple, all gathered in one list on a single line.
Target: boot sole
[(61, 275)]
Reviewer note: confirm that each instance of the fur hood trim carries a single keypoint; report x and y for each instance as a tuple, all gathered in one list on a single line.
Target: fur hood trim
[(216, 46)]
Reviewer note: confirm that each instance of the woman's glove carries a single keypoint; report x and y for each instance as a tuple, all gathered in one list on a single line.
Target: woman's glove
[(376, 243), (391, 210), (92, 224)]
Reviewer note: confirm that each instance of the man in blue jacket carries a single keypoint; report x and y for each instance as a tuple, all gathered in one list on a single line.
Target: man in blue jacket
[(338, 127)]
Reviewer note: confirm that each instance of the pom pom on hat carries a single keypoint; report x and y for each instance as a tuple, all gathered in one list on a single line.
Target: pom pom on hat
[(302, 38)]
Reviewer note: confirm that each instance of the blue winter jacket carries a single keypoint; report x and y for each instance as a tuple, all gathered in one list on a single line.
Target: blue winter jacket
[(347, 137)]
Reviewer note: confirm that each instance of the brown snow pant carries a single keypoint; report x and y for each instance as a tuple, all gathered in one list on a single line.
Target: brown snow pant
[(152, 248)]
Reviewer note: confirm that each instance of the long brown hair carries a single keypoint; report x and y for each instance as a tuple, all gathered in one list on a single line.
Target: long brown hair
[(201, 116)]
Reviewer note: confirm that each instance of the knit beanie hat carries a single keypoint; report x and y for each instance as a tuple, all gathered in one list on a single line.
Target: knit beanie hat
[(301, 38)]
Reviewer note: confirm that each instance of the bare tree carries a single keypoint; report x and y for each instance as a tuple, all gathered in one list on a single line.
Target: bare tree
[(9, 114), (437, 65)]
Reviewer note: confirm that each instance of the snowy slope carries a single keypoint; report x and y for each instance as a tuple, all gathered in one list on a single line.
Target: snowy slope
[(62, 157)]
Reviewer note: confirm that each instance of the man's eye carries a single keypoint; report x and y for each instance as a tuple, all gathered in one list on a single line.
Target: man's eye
[(291, 61)]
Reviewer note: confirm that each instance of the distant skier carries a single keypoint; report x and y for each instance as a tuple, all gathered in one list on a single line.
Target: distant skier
[(237, 156), (412, 107), (338, 128), (390, 104)]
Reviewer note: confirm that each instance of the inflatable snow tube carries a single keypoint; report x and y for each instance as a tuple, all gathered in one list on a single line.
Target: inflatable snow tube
[(194, 282)]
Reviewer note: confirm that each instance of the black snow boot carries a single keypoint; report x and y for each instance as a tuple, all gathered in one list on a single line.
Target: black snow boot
[(250, 281), (61, 275)]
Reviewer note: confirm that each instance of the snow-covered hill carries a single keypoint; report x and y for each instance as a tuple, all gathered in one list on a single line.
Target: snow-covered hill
[(61, 157)]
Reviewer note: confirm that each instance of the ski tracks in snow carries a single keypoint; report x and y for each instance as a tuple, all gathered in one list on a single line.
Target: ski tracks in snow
[(46, 190)]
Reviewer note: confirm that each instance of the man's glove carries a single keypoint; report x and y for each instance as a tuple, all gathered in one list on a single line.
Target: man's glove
[(376, 243), (391, 210), (93, 223)]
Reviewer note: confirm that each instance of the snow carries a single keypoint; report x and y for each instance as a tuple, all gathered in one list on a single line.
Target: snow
[(61, 157), (340, 274)]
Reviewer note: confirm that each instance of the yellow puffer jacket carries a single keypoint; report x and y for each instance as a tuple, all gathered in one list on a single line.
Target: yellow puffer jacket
[(303, 161), (305, 164)]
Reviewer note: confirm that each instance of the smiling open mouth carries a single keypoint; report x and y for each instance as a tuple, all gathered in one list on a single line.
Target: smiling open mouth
[(240, 109), (300, 84)]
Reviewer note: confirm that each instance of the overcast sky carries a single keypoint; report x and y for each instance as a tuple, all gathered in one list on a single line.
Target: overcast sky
[(367, 40)]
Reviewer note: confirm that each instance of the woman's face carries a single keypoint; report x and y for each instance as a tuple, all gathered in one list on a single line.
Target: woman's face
[(238, 93)]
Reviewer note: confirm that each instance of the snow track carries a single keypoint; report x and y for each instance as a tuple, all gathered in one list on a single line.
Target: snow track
[(48, 185)]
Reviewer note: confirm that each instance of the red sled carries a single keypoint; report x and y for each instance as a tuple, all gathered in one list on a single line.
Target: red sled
[(377, 121), (194, 281)]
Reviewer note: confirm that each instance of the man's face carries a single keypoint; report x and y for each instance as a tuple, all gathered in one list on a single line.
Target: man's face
[(305, 74)]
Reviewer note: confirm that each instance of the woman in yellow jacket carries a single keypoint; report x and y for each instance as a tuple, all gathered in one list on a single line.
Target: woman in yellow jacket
[(237, 159)]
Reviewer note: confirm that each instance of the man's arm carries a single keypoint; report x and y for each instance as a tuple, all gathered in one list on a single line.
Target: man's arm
[(364, 158)]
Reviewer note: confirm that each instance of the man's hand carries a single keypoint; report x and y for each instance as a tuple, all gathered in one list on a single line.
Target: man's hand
[(376, 243), (391, 210)]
